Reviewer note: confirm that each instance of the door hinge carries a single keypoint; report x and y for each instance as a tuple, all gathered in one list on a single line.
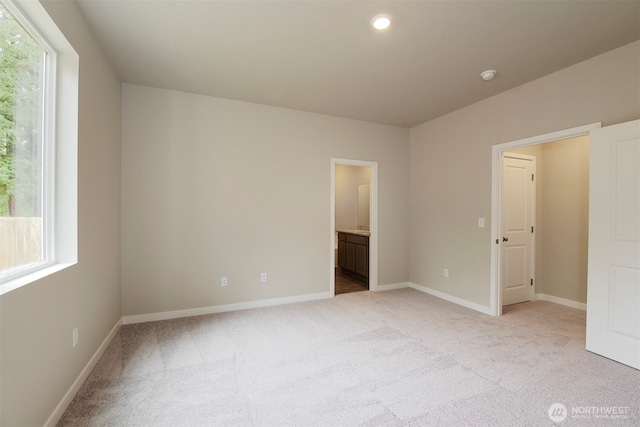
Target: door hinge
[(497, 241), (532, 228), (531, 282), (531, 177)]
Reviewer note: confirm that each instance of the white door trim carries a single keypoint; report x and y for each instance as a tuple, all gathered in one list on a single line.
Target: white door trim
[(496, 189), (373, 221)]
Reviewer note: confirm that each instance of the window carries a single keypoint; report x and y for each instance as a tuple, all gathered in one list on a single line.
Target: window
[(37, 77)]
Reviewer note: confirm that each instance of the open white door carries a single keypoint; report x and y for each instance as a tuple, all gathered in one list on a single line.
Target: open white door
[(613, 282), (517, 217)]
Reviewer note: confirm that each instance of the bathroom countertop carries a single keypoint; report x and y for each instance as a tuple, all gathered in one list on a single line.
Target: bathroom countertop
[(357, 232)]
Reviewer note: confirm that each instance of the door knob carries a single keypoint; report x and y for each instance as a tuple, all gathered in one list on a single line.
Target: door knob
[(505, 239)]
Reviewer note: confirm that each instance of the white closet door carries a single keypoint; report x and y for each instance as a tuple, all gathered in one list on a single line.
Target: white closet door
[(613, 288)]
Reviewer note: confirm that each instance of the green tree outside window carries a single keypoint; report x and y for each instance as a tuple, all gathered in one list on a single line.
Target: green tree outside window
[(21, 115)]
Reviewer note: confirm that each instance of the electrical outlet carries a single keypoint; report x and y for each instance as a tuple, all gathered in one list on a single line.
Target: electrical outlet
[(223, 281), (75, 336), (446, 272), (263, 277)]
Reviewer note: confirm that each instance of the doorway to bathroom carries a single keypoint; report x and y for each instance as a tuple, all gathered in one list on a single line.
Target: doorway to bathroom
[(354, 241)]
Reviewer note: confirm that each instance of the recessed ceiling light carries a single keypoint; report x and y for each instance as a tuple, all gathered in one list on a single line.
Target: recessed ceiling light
[(488, 75), (381, 22)]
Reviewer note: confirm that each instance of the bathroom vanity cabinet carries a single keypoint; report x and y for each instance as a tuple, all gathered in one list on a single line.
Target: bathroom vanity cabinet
[(353, 254)]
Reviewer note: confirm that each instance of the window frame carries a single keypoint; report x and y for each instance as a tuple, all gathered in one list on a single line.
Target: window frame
[(60, 146)]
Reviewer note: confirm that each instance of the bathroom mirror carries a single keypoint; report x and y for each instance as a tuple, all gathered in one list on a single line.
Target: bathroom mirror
[(363, 207)]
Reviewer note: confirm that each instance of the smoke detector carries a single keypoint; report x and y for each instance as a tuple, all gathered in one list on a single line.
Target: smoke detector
[(488, 75)]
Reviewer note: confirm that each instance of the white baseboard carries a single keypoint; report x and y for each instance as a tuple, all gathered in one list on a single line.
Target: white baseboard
[(463, 302), (73, 390), (166, 315), (392, 286), (561, 301)]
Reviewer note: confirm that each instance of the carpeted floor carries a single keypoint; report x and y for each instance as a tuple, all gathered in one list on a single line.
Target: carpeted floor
[(396, 358)]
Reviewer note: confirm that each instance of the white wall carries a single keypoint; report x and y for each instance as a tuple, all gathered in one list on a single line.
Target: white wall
[(347, 180), (38, 363), (213, 187), (450, 162), (566, 218)]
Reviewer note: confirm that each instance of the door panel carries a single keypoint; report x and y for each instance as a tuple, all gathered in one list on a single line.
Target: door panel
[(624, 301), (517, 216), (516, 259), (613, 282), (627, 199), (350, 256), (516, 180), (362, 267)]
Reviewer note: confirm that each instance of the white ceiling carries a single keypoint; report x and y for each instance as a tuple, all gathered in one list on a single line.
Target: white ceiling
[(324, 56)]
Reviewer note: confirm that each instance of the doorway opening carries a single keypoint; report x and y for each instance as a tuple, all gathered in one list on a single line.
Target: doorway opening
[(498, 258), (354, 223)]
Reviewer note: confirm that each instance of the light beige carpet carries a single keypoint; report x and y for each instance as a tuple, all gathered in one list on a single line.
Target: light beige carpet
[(396, 358)]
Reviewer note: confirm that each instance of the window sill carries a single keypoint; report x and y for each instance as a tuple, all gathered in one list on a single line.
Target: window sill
[(21, 281)]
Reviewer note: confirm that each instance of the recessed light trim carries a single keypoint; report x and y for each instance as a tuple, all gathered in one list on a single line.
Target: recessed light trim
[(381, 22)]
